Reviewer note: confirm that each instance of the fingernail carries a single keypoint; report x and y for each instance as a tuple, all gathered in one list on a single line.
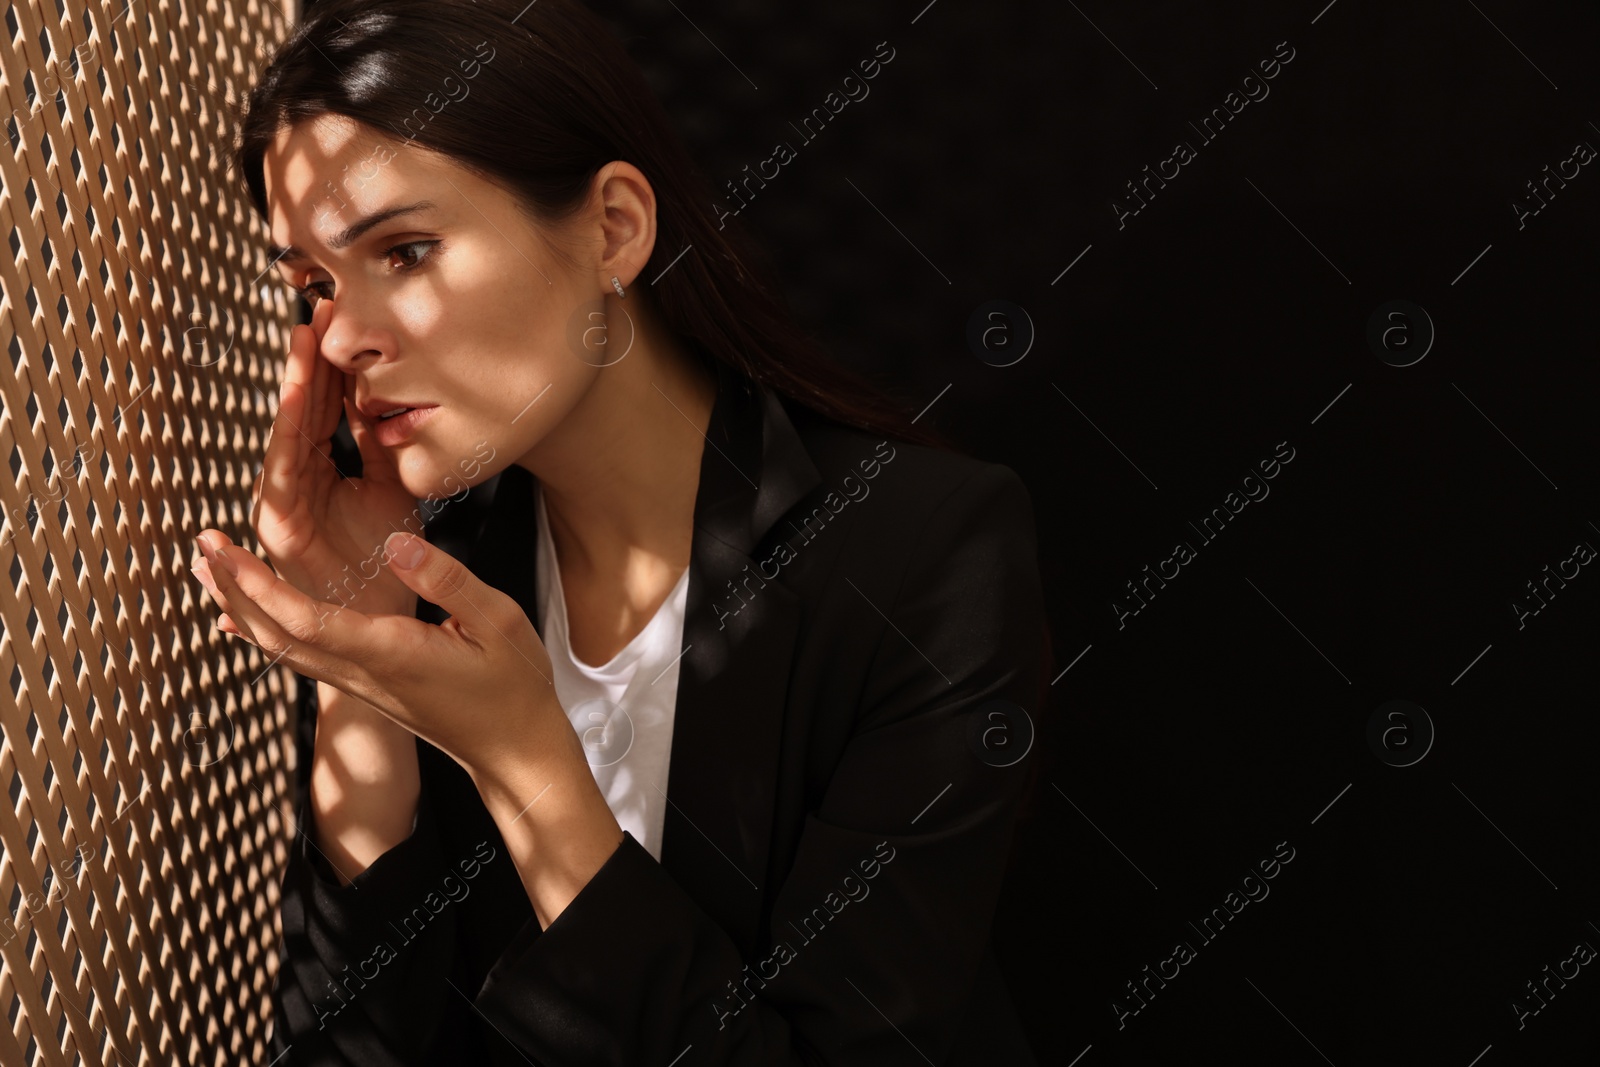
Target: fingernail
[(404, 549), (202, 574)]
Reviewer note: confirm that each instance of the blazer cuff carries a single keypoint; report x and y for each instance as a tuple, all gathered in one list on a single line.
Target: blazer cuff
[(583, 978), (615, 885), (356, 915)]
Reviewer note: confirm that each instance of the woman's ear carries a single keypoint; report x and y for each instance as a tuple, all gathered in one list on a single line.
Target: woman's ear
[(628, 221)]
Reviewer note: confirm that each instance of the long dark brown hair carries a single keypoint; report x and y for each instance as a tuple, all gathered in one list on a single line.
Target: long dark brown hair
[(537, 98)]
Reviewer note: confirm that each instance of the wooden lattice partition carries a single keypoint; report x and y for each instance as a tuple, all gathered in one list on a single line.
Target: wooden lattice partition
[(148, 758)]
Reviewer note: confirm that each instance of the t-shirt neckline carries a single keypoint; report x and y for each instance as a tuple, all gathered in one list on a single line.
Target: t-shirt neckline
[(553, 602)]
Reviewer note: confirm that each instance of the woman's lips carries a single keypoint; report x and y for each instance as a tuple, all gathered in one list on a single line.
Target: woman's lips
[(395, 430)]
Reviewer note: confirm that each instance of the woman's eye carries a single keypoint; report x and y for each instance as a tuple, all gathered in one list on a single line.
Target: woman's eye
[(313, 292), (407, 249)]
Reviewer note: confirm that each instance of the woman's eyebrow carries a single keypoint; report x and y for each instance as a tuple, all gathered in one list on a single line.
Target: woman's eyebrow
[(350, 235)]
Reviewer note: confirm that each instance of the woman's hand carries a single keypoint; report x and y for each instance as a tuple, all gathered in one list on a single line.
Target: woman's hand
[(324, 533), (477, 686)]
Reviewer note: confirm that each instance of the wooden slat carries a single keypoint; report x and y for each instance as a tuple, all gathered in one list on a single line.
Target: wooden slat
[(138, 875)]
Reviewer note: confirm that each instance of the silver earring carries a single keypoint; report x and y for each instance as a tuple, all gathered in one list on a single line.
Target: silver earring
[(618, 287)]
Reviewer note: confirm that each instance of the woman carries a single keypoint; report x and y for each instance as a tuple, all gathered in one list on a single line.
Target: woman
[(668, 537)]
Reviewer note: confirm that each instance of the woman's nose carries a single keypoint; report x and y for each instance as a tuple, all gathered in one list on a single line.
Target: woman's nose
[(342, 336)]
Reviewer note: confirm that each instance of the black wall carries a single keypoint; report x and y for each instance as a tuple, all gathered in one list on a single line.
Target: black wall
[(1189, 741)]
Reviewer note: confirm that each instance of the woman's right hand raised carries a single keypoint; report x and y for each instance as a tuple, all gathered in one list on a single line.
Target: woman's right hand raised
[(324, 533)]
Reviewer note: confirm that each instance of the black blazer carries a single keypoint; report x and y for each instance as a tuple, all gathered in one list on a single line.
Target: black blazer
[(840, 798)]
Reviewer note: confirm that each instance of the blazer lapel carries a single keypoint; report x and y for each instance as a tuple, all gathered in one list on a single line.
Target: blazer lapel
[(738, 638), (739, 633)]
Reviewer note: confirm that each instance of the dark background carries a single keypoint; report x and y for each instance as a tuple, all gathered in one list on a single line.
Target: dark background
[(1231, 714)]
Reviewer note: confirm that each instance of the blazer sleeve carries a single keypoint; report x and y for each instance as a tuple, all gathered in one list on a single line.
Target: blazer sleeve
[(340, 998), (880, 927)]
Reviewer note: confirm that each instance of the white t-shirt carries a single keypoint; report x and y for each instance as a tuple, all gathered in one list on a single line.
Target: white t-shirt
[(621, 709)]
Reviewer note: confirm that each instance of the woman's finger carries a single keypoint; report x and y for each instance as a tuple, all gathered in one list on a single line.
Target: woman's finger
[(299, 369), (218, 588), (476, 609), (375, 463), (201, 568), (263, 632), (213, 538), (244, 606), (277, 487), (320, 640), (279, 480), (327, 380)]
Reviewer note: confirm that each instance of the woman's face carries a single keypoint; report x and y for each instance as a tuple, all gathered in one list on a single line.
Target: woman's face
[(457, 307)]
